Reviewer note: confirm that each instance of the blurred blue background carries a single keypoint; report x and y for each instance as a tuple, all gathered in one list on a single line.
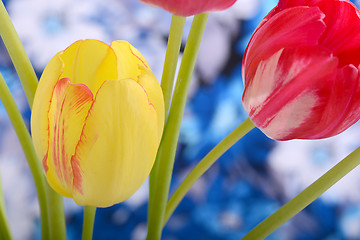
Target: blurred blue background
[(249, 182)]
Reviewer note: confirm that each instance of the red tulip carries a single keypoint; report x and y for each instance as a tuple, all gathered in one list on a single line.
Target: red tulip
[(301, 70), (191, 7)]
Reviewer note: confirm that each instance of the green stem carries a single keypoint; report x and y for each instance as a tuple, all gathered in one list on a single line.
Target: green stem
[(205, 164), (56, 215), (88, 226), (306, 197), (170, 137), (5, 232), (29, 151), (171, 58), (29, 82), (167, 82), (18, 55)]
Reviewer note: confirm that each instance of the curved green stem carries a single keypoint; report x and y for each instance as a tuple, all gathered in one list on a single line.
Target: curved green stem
[(88, 226), (29, 82), (171, 58), (205, 164), (18, 55), (170, 137), (5, 232), (56, 215), (167, 82), (26, 143), (306, 197)]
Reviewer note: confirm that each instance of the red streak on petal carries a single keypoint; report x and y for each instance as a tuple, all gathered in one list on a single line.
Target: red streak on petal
[(67, 169), (77, 174), (60, 158), (145, 65), (44, 163), (65, 97), (55, 150), (147, 96)]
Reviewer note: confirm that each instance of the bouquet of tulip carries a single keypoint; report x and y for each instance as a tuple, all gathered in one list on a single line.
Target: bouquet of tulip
[(101, 124)]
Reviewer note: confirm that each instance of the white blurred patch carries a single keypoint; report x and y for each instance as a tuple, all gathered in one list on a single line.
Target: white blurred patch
[(221, 29), (244, 9), (18, 188), (139, 232), (49, 26), (298, 163), (350, 222), (215, 49), (140, 197)]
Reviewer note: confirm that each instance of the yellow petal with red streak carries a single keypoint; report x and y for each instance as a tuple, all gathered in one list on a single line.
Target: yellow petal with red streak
[(69, 108), (118, 145)]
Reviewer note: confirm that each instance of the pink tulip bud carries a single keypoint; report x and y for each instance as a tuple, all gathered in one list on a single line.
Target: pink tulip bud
[(191, 7), (301, 70)]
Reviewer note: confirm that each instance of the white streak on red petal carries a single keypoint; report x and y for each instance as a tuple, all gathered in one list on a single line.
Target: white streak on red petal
[(263, 84), (291, 116)]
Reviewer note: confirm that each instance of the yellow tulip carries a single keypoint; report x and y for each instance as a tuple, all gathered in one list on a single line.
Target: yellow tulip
[(97, 121)]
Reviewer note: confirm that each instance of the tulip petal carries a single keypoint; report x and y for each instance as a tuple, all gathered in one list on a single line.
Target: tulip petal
[(191, 7), (294, 3), (70, 104), (343, 100), (89, 62), (41, 105), (339, 36), (129, 60), (153, 90), (132, 64), (280, 99), (276, 34), (118, 145), (342, 17)]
